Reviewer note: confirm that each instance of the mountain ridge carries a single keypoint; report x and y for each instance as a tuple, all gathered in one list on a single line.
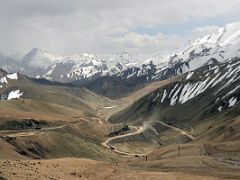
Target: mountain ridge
[(85, 69)]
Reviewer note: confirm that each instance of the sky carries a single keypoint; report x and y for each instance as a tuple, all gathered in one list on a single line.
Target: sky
[(109, 26)]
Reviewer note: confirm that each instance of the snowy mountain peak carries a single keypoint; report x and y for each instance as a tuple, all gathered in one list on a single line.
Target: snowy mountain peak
[(39, 58), (228, 35), (38, 51), (217, 47)]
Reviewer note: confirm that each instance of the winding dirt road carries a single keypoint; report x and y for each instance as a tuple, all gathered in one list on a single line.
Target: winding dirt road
[(106, 143), (140, 130)]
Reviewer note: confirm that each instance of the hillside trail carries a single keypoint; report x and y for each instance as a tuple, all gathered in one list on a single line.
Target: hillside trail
[(32, 132), (178, 129)]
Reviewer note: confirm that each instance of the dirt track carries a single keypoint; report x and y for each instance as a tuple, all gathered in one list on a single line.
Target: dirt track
[(178, 129), (31, 132), (139, 130), (113, 148)]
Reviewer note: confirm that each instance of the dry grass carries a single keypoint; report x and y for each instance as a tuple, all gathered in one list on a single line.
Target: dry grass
[(73, 168)]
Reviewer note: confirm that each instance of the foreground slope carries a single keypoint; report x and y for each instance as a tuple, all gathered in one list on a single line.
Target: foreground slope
[(70, 168)]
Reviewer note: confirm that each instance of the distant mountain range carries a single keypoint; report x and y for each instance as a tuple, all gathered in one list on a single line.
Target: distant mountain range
[(39, 63), (131, 69)]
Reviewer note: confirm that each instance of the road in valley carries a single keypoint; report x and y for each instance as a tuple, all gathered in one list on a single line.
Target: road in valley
[(140, 130)]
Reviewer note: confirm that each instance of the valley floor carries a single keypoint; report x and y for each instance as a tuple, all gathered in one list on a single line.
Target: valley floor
[(74, 168)]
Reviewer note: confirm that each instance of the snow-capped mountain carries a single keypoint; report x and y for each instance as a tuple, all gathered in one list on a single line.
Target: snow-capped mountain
[(213, 48), (217, 47), (39, 58), (41, 64), (223, 78), (206, 92)]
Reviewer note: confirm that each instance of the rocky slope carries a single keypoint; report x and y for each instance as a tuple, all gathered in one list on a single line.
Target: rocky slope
[(206, 91), (60, 95)]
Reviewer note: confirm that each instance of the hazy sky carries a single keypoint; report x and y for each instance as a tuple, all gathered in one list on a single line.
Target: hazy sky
[(100, 26)]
